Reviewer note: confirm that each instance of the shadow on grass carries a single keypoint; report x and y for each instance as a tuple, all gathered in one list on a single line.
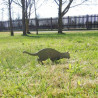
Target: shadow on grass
[(55, 35)]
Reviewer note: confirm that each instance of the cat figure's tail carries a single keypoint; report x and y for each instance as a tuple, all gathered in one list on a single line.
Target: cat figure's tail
[(33, 54)]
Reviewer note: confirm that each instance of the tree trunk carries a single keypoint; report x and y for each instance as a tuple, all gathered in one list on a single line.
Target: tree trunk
[(23, 17), (36, 20), (27, 26), (60, 24), (60, 17), (10, 19), (27, 20)]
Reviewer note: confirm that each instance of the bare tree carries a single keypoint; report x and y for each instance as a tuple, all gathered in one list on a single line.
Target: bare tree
[(10, 17), (61, 13), (26, 6), (36, 7), (36, 20), (29, 5), (22, 4), (8, 3), (23, 17)]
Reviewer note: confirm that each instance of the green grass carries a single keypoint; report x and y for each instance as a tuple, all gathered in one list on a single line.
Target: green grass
[(22, 76)]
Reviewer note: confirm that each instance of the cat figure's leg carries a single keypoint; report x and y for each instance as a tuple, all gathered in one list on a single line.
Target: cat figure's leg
[(40, 61), (54, 60)]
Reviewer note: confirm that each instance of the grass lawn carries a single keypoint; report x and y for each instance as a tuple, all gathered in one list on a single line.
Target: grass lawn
[(21, 76)]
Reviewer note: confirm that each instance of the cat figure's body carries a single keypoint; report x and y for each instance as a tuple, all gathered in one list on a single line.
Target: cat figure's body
[(49, 53)]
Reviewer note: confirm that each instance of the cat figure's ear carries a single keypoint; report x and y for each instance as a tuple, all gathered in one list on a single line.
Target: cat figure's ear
[(66, 52)]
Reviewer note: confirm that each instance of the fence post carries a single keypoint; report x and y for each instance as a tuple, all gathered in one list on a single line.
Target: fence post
[(83, 22), (51, 24), (91, 22), (87, 22), (68, 23), (75, 25), (94, 21)]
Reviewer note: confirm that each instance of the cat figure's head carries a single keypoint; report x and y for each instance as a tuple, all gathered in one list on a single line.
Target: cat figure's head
[(65, 55)]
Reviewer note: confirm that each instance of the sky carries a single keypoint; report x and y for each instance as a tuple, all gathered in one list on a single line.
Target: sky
[(50, 9)]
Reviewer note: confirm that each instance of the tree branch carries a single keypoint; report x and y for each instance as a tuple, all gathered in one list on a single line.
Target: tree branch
[(11, 1), (79, 4), (67, 8), (56, 2), (64, 2), (16, 2)]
